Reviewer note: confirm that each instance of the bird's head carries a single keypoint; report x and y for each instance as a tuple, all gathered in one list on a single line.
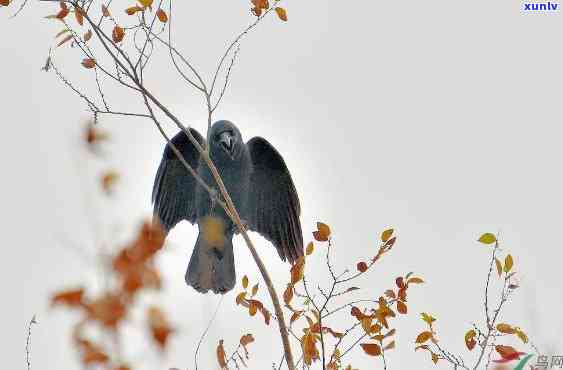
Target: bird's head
[(225, 139)]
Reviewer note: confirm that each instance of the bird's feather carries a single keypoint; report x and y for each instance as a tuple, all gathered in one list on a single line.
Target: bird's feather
[(174, 187), (273, 208)]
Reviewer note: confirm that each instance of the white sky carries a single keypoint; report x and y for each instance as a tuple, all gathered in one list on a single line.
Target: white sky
[(441, 119)]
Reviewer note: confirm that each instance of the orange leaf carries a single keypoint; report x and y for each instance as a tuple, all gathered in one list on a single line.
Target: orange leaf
[(221, 356), (161, 14), (324, 230), (159, 326), (63, 12), (133, 9), (117, 34), (89, 63), (282, 13), (70, 298), (506, 352), (288, 294), (470, 339), (109, 310), (5, 2), (79, 15), (246, 339), (296, 315), (297, 270), (389, 346), (423, 337), (401, 307), (371, 349), (505, 328)]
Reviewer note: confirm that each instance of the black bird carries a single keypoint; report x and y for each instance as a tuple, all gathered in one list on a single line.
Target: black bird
[(260, 186)]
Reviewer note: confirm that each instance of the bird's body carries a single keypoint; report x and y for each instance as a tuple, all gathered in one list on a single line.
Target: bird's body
[(257, 181)]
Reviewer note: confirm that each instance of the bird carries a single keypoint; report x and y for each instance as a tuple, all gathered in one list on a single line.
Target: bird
[(259, 184)]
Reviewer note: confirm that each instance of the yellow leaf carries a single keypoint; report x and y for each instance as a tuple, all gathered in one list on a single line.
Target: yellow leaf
[(470, 339), (323, 232), (488, 238), (508, 263), (523, 337), (255, 289), (435, 358), (505, 329), (241, 297), (310, 248), (423, 337), (282, 13), (386, 235), (245, 281), (146, 3), (133, 9), (389, 346), (427, 318), (499, 266)]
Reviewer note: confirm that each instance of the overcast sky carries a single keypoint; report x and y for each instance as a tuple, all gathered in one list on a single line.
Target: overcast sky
[(441, 119)]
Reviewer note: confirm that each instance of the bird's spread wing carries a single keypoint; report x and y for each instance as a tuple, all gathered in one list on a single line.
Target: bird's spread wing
[(273, 205), (174, 187)]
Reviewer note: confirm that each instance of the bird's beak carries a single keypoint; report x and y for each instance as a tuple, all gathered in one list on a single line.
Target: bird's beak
[(226, 140)]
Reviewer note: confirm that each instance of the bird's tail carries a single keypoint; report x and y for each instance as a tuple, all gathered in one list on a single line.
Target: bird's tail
[(212, 267)]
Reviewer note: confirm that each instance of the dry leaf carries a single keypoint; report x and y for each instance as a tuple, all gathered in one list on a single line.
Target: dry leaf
[(282, 13), (105, 11), (423, 337), (88, 36), (117, 34), (386, 235), (371, 349), (310, 248), (401, 307), (161, 14), (89, 63), (71, 298), (221, 356)]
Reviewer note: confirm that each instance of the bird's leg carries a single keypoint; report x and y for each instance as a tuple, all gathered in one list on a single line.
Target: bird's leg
[(214, 197)]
